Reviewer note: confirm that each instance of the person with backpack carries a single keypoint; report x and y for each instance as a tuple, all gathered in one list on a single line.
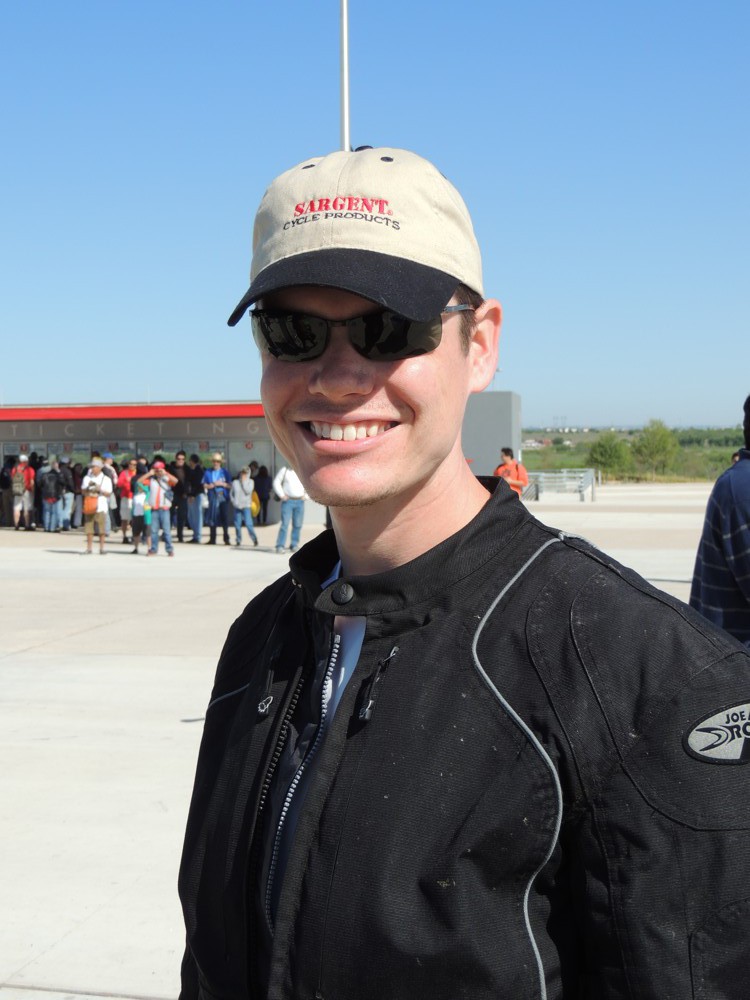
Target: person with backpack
[(22, 487), (51, 487), (514, 474)]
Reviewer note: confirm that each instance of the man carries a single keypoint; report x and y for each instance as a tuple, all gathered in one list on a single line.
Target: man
[(68, 494), (161, 483), (454, 753), (514, 474), (195, 494), (96, 484), (217, 482), (141, 512), (721, 580), (178, 468), (6, 493), (113, 513), (291, 492), (51, 488), (125, 489), (22, 489)]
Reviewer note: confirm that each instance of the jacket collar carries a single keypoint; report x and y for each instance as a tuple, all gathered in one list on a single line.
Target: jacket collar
[(436, 571)]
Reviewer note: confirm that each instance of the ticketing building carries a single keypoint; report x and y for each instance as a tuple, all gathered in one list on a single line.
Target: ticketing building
[(237, 430)]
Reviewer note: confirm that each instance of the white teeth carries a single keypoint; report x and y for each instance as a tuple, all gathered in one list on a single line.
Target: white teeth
[(348, 432)]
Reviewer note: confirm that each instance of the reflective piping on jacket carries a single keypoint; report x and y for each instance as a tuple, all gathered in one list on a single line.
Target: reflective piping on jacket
[(539, 748)]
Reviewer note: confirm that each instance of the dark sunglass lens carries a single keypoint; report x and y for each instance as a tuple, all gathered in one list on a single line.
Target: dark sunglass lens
[(387, 336), (290, 336)]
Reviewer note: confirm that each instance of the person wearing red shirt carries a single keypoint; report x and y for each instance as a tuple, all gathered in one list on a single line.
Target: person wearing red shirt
[(125, 487), (514, 474), (22, 487)]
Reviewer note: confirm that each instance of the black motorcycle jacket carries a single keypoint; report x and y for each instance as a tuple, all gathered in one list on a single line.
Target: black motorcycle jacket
[(533, 787)]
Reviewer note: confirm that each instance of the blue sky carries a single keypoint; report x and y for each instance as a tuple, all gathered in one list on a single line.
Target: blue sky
[(602, 149)]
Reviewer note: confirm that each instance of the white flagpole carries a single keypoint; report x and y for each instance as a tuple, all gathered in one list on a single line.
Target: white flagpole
[(345, 142)]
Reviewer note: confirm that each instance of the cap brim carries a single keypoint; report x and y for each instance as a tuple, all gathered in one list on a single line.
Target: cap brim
[(412, 290)]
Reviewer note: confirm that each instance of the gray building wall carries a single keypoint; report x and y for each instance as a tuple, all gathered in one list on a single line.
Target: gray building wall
[(492, 422)]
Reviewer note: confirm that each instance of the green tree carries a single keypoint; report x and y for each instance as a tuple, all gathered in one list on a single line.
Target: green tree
[(656, 447), (609, 453)]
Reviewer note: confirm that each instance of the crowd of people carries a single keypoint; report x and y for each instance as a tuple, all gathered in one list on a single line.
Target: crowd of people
[(144, 501)]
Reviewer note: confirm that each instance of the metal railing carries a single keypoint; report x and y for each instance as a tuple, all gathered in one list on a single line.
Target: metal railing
[(562, 481)]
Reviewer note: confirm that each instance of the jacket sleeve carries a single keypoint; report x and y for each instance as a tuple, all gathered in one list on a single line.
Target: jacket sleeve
[(654, 708), (665, 849), (735, 542)]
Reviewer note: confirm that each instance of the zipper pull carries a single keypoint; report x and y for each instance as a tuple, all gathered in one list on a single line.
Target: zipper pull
[(370, 693), (365, 713), (267, 700)]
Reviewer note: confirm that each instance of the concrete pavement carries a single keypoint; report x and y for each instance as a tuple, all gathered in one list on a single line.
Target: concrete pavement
[(107, 666)]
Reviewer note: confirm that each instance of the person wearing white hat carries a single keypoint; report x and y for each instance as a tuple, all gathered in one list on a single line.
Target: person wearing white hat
[(453, 752), (96, 488)]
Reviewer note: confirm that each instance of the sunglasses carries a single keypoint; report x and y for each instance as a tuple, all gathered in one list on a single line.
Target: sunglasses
[(378, 336)]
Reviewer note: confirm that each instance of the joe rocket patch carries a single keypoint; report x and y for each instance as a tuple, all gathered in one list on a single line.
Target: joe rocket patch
[(723, 737)]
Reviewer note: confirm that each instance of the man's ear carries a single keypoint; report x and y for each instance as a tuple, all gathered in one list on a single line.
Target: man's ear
[(484, 344)]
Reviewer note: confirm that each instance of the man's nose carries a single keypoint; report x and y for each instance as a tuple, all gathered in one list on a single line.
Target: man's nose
[(340, 370)]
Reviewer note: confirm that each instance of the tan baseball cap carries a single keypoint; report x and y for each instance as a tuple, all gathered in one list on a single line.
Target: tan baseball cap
[(382, 223)]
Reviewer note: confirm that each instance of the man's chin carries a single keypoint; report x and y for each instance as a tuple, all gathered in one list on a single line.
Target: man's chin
[(340, 496)]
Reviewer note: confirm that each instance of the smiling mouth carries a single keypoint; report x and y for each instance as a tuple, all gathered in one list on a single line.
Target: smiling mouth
[(349, 432)]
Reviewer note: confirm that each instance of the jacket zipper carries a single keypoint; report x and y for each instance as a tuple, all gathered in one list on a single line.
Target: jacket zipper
[(324, 700), (256, 838)]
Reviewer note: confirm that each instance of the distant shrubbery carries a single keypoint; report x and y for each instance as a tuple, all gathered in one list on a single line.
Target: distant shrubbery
[(653, 452)]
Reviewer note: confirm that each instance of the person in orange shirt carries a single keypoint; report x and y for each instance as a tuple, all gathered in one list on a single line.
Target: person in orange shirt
[(514, 474)]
